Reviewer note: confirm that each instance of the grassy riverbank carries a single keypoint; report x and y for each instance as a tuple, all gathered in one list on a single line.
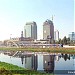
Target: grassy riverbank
[(52, 49), (9, 69)]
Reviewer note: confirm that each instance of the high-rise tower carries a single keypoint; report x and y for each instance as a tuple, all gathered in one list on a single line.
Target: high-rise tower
[(48, 30), (72, 36), (31, 30), (56, 35)]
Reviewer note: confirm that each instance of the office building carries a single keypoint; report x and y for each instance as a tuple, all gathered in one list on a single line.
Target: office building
[(30, 30), (56, 35), (48, 30), (72, 36)]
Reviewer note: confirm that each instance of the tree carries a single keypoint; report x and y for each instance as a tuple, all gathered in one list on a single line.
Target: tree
[(68, 40), (65, 40), (60, 41)]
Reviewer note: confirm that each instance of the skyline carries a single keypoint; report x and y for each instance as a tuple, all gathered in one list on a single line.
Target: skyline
[(15, 13)]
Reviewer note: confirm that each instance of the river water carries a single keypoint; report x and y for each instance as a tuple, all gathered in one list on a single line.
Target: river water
[(42, 61)]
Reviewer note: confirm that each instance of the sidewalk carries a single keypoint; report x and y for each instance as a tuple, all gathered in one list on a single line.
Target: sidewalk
[(67, 46)]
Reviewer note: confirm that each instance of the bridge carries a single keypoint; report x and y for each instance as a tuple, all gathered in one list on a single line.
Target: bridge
[(12, 43)]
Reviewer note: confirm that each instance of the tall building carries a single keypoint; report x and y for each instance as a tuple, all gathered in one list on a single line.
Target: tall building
[(31, 30), (48, 30), (56, 35), (72, 36)]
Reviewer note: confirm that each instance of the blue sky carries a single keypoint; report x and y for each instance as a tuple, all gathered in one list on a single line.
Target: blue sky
[(15, 13)]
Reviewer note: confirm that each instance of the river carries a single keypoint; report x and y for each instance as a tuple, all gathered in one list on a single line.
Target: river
[(41, 61)]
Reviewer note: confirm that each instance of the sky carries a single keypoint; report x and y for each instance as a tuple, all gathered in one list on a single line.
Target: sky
[(15, 13)]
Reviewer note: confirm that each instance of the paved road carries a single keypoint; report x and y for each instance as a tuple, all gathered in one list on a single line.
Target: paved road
[(67, 46)]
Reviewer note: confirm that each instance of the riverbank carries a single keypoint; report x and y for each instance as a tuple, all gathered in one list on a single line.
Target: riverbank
[(52, 49), (9, 69)]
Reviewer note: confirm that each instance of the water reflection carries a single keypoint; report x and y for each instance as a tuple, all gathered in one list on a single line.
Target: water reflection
[(30, 61), (48, 62), (66, 56), (22, 59)]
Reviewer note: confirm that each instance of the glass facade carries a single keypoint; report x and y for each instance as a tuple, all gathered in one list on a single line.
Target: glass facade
[(31, 30), (72, 36), (28, 31)]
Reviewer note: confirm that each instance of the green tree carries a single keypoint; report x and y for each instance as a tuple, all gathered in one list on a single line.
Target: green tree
[(68, 40), (65, 40), (60, 41)]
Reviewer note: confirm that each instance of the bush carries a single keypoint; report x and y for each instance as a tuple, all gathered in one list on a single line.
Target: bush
[(3, 71)]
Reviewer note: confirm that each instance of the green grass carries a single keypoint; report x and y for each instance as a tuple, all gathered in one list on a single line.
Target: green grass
[(52, 49), (9, 69)]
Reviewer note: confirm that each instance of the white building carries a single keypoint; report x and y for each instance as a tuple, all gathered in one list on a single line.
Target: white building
[(56, 35)]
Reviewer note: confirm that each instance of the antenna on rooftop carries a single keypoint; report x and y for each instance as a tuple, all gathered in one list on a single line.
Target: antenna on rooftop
[(53, 17)]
